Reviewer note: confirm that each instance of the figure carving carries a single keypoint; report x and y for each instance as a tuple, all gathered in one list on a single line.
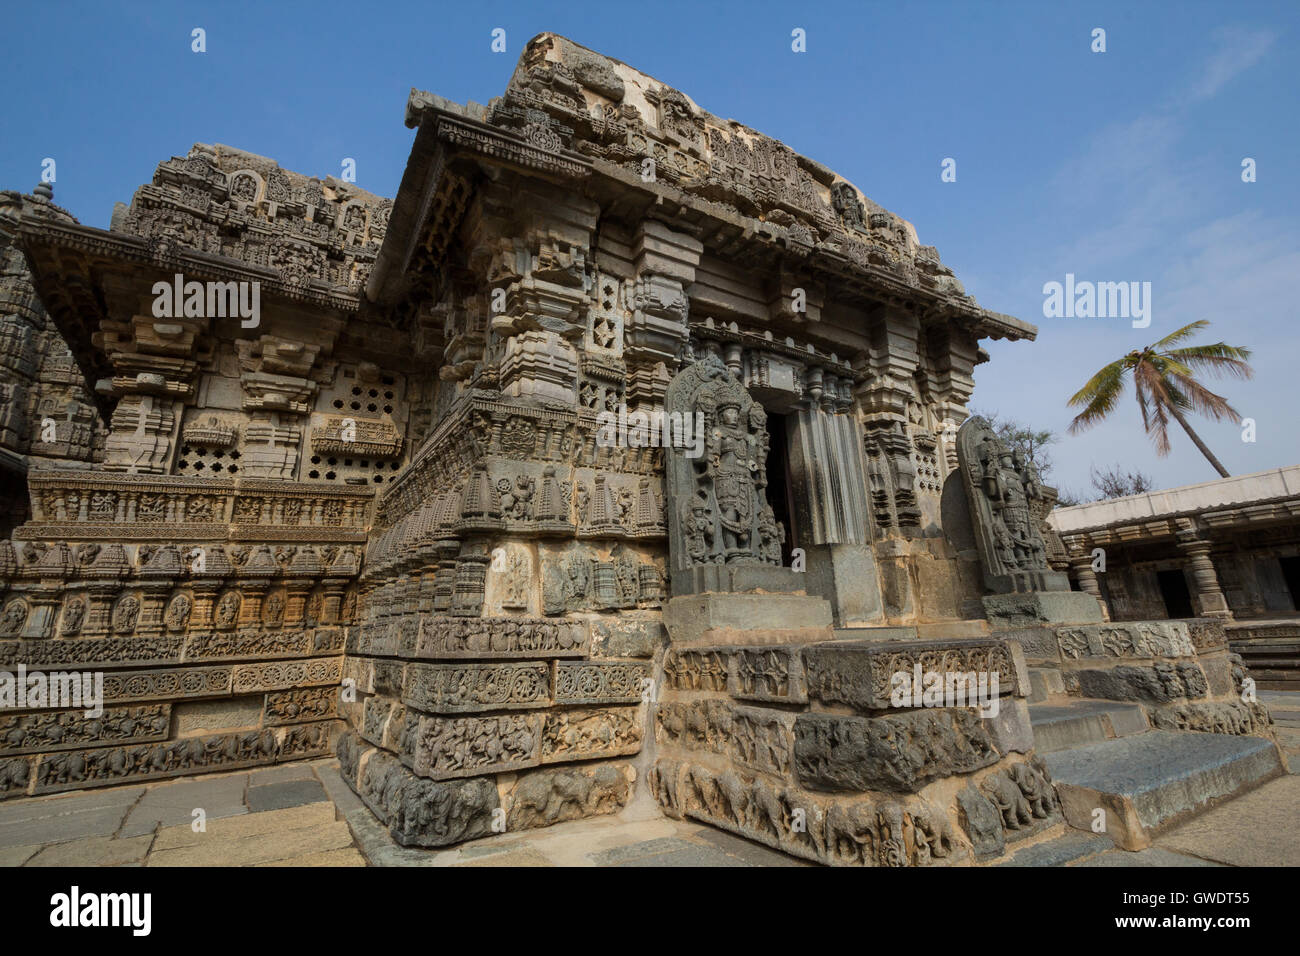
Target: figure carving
[(1001, 489), (718, 499)]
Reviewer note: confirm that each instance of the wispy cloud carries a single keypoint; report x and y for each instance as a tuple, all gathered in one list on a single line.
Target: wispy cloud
[(1141, 199), (1239, 50)]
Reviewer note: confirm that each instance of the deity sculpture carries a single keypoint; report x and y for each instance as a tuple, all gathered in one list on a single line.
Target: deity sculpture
[(1001, 488), (720, 512)]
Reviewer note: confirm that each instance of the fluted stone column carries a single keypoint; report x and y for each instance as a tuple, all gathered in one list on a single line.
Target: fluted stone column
[(1207, 596)]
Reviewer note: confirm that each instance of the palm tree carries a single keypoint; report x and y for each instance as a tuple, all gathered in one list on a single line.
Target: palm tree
[(1166, 383)]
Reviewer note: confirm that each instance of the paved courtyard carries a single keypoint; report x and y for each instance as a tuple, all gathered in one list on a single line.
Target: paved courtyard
[(304, 815)]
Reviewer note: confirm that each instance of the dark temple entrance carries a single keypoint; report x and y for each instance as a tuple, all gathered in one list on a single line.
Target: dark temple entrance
[(1173, 588), (1291, 574), (779, 486)]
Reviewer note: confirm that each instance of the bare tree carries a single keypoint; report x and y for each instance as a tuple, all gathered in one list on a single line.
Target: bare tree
[(1115, 482)]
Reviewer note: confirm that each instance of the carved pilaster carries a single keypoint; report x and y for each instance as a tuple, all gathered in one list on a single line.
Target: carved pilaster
[(1207, 595)]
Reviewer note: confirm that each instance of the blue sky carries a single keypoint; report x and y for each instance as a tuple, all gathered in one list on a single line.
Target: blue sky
[(1115, 166)]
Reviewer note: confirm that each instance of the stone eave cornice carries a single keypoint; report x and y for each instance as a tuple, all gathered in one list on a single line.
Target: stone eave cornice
[(1166, 527), (1251, 497), (132, 250), (224, 523), (447, 130), (67, 263), (13, 462), (825, 262)]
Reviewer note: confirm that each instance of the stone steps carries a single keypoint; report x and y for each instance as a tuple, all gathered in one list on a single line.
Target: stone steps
[(1148, 781), (1045, 683), (1080, 721), (1071, 847)]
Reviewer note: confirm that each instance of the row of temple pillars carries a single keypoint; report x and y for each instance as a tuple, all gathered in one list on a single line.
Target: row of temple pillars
[(1208, 599)]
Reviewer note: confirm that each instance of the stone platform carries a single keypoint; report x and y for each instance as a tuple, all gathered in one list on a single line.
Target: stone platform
[(303, 815)]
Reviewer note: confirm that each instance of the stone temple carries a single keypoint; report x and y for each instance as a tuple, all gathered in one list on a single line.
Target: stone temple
[(622, 457)]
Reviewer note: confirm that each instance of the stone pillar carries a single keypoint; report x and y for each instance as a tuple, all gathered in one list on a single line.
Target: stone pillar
[(153, 603), (333, 600), (250, 608), (471, 575), (205, 597), (44, 602), (295, 604), (99, 610), (444, 579), (664, 261), (1087, 578), (825, 464), (1207, 596)]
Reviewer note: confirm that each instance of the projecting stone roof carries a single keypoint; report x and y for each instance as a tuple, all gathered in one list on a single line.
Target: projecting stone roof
[(229, 202), (216, 213), (1237, 492), (578, 112)]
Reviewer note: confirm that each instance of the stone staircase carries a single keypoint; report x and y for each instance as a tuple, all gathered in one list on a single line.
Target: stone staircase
[(1102, 755)]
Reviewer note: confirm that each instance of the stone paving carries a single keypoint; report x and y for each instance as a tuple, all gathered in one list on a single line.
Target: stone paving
[(1285, 708), (304, 815)]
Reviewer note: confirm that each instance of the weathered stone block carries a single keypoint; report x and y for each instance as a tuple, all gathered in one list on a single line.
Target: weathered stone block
[(1010, 729), (862, 675), (209, 716), (417, 812), (1215, 717), (900, 752), (725, 618), (1160, 683), (601, 682), (1042, 607), (1126, 639), (1038, 643), (1218, 674), (756, 737), (621, 638), (544, 797), (466, 688), (982, 822), (588, 734), (449, 747), (43, 731), (1207, 634), (768, 674)]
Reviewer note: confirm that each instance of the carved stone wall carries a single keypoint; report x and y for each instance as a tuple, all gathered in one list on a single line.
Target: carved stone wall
[(746, 742), (47, 418), (391, 502), (206, 572)]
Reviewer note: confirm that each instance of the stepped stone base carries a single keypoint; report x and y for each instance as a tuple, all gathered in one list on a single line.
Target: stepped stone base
[(1078, 723), (1271, 649), (1149, 781), (1045, 682)]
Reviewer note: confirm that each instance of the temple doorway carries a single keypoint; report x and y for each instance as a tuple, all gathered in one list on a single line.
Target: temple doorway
[(1291, 574), (779, 485), (1173, 588)]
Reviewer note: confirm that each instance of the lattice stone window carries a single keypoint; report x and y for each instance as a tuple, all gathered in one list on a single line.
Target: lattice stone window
[(373, 399), (200, 462), (340, 468)]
